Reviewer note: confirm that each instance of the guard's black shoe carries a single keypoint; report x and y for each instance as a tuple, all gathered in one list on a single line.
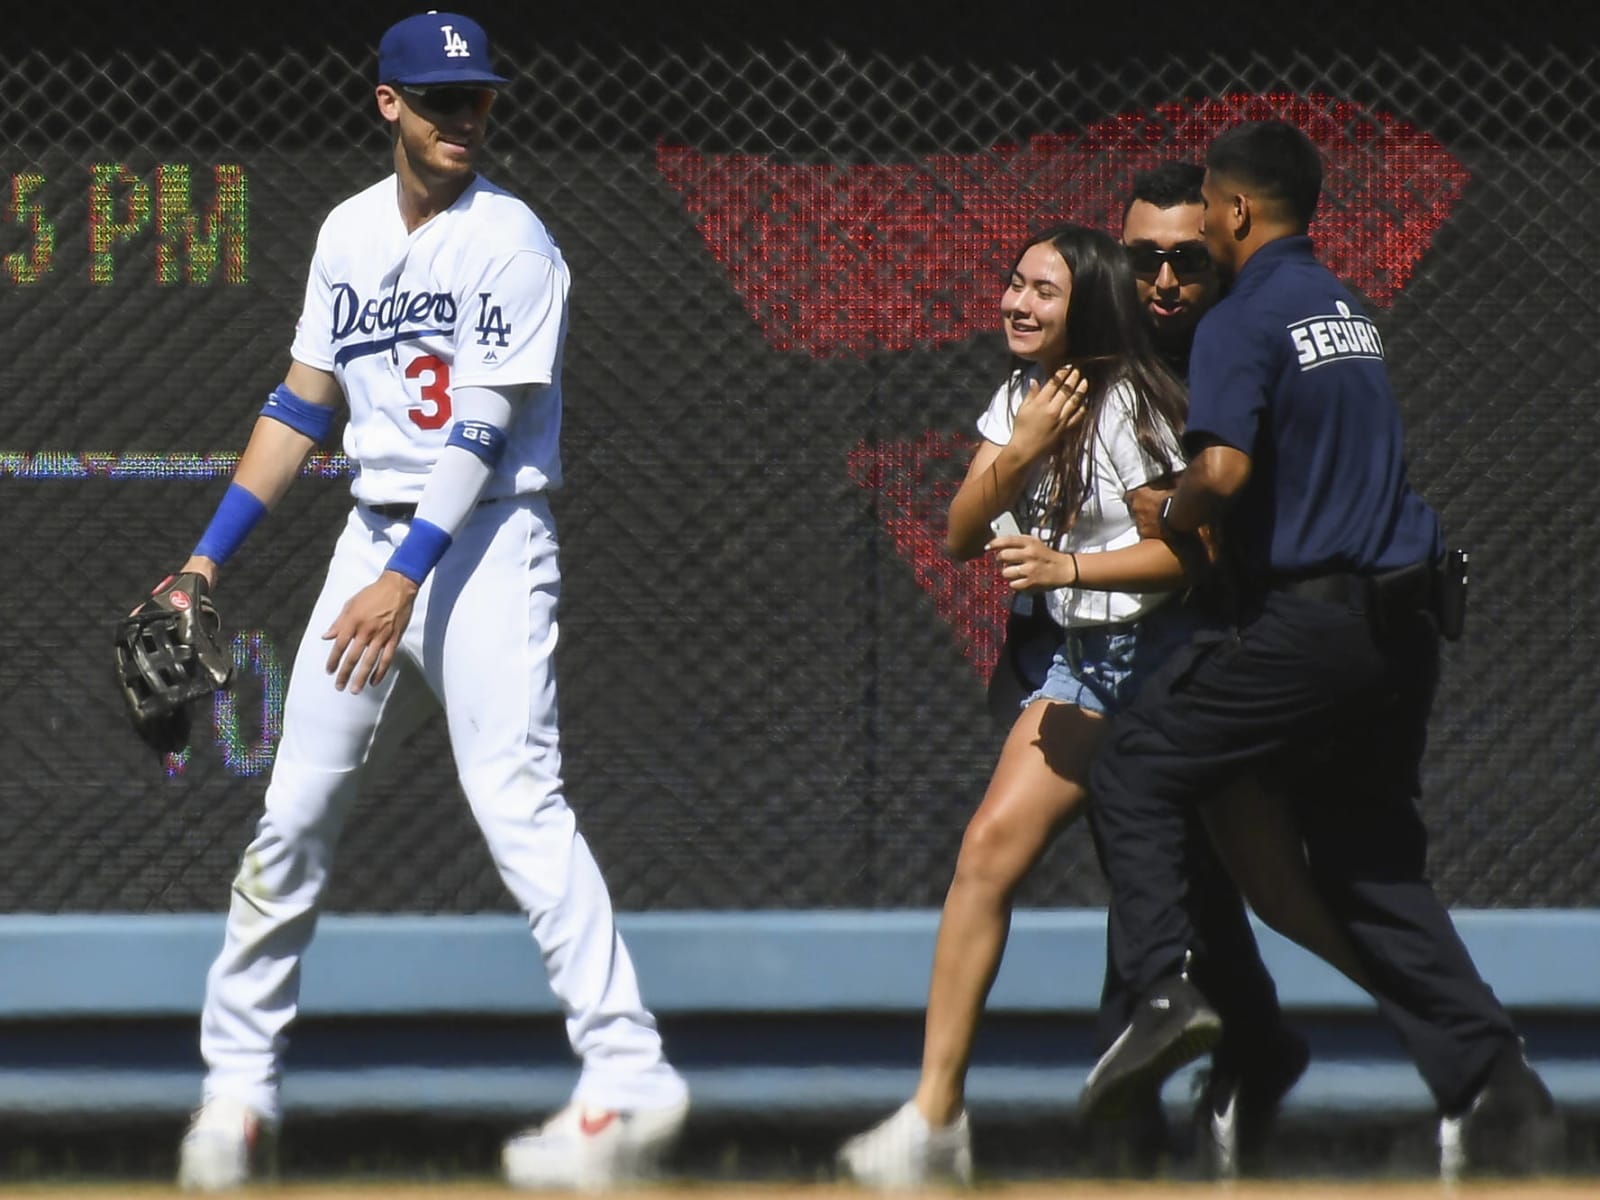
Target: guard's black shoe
[(1136, 1145), (1172, 1025), (1511, 1127), (1239, 1100)]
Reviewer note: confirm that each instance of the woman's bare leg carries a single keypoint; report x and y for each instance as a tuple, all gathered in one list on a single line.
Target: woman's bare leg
[(1259, 841), (1038, 786)]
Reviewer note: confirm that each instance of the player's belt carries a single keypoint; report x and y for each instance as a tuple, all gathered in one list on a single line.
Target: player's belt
[(393, 512), (404, 512)]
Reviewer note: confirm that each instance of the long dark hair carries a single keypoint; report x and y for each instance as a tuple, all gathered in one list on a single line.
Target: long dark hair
[(1108, 342)]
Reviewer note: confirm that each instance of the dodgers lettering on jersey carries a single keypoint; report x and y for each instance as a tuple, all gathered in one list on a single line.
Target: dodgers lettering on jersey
[(474, 297), (399, 313), (1340, 335)]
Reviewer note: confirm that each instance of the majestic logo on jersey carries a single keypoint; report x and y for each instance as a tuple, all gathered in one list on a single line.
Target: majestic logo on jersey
[(1340, 335), (400, 315), (455, 46)]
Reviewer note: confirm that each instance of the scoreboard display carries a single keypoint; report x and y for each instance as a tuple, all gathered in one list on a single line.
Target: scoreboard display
[(785, 254)]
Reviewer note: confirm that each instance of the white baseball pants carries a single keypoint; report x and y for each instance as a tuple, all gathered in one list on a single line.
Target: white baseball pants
[(480, 644)]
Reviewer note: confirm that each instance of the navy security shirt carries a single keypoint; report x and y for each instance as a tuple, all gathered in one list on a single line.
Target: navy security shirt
[(1288, 369)]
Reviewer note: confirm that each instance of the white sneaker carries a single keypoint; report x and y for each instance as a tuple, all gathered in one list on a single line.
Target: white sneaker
[(1452, 1151), (1512, 1126), (593, 1149), (228, 1144), (904, 1151)]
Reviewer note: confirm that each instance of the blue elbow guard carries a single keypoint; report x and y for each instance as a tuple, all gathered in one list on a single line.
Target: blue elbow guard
[(302, 416), (487, 441), (421, 551)]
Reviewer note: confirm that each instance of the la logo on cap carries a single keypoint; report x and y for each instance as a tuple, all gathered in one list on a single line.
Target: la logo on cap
[(455, 46), (436, 48)]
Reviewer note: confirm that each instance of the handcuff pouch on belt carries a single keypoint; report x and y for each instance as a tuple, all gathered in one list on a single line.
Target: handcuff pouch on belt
[(1450, 593)]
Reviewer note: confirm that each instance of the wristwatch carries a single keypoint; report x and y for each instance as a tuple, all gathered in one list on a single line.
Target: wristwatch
[(1163, 520), (1186, 544)]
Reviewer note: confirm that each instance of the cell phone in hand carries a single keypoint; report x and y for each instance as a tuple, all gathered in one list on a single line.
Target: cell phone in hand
[(1005, 525)]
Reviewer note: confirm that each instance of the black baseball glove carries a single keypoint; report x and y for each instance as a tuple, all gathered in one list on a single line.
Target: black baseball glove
[(168, 657)]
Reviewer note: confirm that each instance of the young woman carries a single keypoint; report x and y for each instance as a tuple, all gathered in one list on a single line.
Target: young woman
[(1087, 414)]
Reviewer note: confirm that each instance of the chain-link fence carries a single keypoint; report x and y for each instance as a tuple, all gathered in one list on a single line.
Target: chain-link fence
[(785, 246)]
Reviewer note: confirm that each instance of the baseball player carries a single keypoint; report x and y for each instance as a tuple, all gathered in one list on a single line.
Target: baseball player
[(436, 311)]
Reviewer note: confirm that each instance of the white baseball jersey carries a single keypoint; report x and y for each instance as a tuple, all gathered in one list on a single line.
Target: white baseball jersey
[(1117, 464), (475, 297)]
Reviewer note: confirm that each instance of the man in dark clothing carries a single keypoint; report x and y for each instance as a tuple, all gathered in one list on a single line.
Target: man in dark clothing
[(1258, 1058), (1294, 434)]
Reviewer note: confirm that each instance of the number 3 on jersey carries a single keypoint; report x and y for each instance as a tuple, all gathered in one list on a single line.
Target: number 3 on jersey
[(434, 410)]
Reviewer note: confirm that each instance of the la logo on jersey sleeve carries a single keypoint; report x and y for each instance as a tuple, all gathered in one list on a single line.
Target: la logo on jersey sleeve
[(493, 332), (1340, 335)]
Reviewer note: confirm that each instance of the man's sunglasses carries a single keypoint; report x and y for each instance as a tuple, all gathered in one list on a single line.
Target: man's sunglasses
[(449, 99), (1188, 260)]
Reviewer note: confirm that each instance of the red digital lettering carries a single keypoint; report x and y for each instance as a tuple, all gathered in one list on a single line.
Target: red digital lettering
[(917, 480), (842, 260)]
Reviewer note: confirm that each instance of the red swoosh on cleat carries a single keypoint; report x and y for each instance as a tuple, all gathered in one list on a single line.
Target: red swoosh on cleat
[(590, 1126), (843, 260)]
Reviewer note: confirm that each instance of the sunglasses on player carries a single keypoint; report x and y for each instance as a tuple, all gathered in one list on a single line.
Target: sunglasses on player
[(448, 99), (1187, 260)]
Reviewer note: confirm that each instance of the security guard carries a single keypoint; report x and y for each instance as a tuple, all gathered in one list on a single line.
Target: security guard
[(1325, 683)]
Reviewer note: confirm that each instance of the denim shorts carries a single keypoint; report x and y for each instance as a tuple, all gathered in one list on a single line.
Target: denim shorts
[(1100, 668)]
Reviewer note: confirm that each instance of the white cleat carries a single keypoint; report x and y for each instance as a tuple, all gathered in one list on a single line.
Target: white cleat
[(904, 1152), (593, 1149), (227, 1146)]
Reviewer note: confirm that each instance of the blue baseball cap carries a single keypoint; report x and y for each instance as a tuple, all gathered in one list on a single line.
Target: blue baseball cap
[(436, 47)]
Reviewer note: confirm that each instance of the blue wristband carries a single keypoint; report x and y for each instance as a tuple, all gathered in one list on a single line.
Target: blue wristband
[(302, 416), (240, 512), (487, 441), (424, 545)]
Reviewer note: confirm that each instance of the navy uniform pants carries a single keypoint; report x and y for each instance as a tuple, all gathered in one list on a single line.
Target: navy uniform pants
[(1329, 703), (1227, 961)]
